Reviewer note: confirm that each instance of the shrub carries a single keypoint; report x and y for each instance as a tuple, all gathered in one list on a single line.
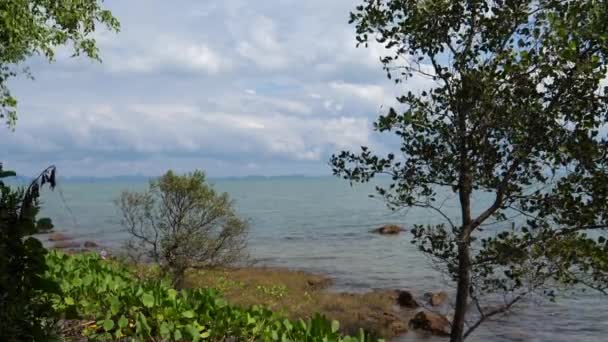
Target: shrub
[(25, 312), (180, 222), (115, 304)]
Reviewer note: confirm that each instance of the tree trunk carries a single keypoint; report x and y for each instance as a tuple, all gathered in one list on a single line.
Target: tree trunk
[(464, 261), (462, 294)]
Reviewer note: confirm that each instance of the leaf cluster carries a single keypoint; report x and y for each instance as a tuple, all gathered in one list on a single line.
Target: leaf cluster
[(38, 27)]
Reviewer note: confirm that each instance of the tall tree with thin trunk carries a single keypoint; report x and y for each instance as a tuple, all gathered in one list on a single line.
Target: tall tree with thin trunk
[(518, 110)]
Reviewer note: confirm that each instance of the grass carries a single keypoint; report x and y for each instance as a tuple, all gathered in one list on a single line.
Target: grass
[(298, 294)]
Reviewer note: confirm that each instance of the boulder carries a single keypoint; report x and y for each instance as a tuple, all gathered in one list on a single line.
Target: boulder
[(406, 299), (398, 327), (437, 298), (90, 244), (389, 229), (65, 244), (59, 237), (432, 322)]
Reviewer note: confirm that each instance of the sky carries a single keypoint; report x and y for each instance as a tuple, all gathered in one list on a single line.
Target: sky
[(233, 87)]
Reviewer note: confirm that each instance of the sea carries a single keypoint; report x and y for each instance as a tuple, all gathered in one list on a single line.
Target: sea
[(322, 225)]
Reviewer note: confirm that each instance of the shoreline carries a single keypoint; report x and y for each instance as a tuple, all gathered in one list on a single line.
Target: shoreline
[(299, 295), (296, 294)]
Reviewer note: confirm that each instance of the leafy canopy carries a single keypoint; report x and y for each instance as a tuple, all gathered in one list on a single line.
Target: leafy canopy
[(38, 27), (518, 108)]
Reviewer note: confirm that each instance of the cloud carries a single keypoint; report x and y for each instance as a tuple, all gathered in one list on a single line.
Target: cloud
[(263, 47), (371, 93), (223, 85), (170, 53)]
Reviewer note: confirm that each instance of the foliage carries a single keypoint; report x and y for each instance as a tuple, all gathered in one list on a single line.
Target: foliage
[(26, 313), (37, 27), (182, 222), (44, 224), (119, 305), (516, 108)]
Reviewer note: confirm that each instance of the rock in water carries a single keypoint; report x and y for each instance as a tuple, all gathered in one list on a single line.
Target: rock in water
[(406, 299), (389, 229), (431, 321), (90, 244), (437, 298), (59, 237)]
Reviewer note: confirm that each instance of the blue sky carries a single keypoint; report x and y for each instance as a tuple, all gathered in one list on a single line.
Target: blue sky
[(235, 87)]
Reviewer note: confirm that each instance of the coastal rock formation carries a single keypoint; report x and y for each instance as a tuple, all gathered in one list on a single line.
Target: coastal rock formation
[(406, 299), (90, 244), (59, 237), (432, 322), (389, 229), (65, 244), (437, 298)]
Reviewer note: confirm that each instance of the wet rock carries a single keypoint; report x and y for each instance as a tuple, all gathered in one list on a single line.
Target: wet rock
[(437, 298), (398, 327), (432, 322), (90, 244), (406, 299), (65, 244), (389, 229), (59, 237)]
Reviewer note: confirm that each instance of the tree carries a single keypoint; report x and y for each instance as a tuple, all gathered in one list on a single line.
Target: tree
[(38, 27), (181, 222), (26, 313), (517, 110)]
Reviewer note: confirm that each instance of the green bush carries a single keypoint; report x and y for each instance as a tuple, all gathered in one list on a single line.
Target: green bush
[(25, 312), (121, 305), (180, 222)]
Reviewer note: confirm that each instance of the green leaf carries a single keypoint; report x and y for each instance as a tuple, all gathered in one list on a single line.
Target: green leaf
[(193, 332), (288, 325), (177, 335), (172, 294), (188, 314), (165, 333), (141, 325), (108, 324), (335, 326), (115, 305), (69, 300), (123, 321), (148, 300)]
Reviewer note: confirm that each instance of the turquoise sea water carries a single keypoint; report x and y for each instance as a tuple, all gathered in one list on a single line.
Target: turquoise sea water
[(322, 225)]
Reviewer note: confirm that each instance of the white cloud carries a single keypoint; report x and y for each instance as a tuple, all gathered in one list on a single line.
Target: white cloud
[(262, 46), (278, 84), (170, 53), (374, 94)]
